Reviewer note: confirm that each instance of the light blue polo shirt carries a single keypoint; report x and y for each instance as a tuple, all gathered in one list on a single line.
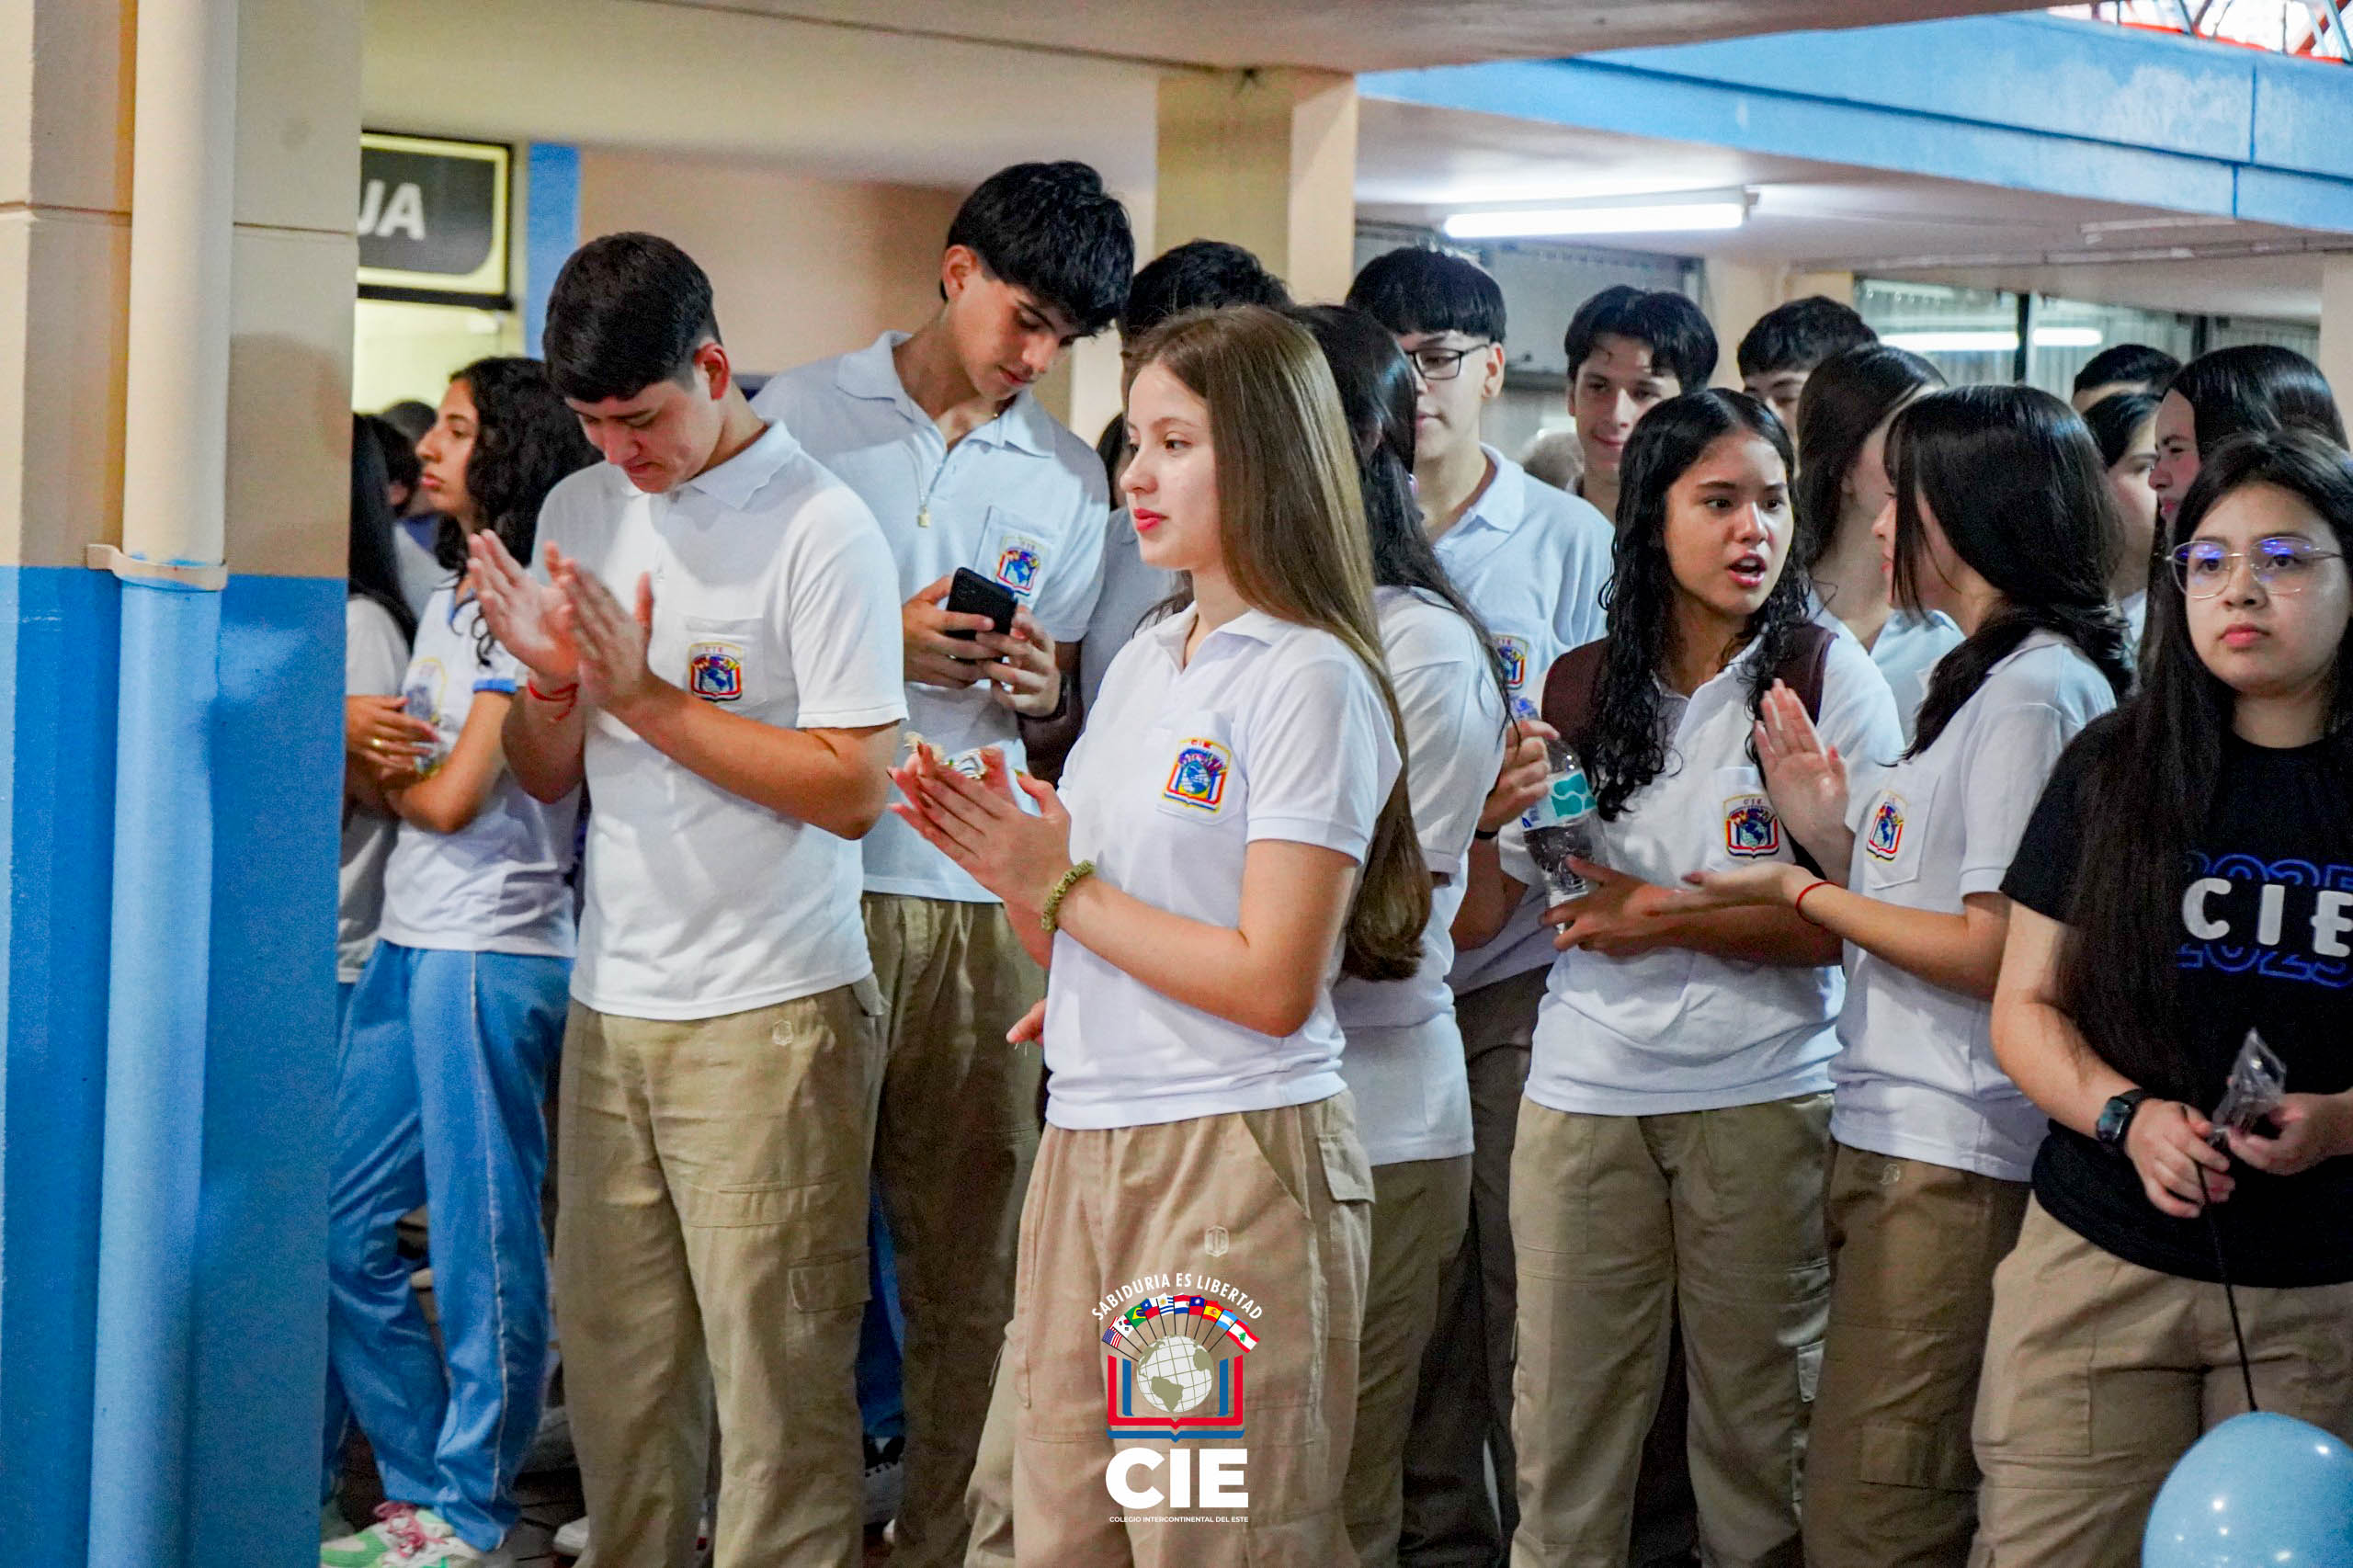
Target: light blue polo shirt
[(1020, 500)]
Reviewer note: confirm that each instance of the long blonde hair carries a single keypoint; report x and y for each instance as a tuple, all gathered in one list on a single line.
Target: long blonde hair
[(1291, 524)]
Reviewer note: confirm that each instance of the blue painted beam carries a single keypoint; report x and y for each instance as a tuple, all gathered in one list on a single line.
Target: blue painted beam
[(2024, 102)]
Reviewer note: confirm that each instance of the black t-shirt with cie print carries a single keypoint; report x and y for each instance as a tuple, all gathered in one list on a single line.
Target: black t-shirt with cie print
[(2267, 944)]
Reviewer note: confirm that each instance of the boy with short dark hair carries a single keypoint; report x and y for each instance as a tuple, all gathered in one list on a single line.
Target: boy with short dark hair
[(2122, 367), (714, 648), (939, 433), (1629, 350), (1788, 341)]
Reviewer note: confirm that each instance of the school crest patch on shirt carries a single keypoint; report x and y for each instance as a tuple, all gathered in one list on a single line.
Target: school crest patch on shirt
[(1513, 651), (1197, 777), (1751, 830), (1883, 839), (1019, 561), (715, 671)]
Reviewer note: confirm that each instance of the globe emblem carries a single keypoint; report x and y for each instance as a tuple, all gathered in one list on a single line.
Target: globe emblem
[(1176, 1376)]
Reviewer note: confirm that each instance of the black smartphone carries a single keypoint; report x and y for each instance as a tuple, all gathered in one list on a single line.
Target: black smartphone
[(970, 594)]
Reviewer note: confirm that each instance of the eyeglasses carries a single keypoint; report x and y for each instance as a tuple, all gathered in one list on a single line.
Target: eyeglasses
[(2204, 568), (1443, 363)]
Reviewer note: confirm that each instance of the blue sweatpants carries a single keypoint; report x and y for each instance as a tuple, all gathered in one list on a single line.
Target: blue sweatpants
[(445, 1065)]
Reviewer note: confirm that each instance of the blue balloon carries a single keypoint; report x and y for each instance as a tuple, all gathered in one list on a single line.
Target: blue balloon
[(2258, 1490)]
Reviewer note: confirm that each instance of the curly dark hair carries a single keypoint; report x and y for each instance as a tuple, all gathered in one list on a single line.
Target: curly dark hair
[(525, 441), (1627, 747)]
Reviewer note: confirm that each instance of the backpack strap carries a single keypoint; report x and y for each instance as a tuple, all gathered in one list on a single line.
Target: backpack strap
[(1570, 687), (1801, 672)]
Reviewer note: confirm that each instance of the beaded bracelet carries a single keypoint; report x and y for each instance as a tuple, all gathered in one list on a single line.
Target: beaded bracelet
[(1049, 915)]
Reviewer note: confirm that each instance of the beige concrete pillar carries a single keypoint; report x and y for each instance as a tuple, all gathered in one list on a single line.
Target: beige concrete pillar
[(65, 134), (1735, 294), (64, 274), (2336, 326), (1266, 159)]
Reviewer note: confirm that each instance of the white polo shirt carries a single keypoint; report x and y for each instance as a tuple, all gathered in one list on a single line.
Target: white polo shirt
[(1672, 1029), (1131, 587), (1404, 1059), (497, 884), (1272, 730), (1532, 561), (1020, 500), (1915, 1074), (375, 657), (773, 597)]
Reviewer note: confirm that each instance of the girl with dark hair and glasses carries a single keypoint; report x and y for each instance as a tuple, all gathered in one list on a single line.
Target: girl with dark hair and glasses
[(1671, 1141), (2185, 882), (450, 1032), (2001, 522)]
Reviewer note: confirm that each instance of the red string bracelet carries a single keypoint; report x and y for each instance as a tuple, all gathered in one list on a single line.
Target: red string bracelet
[(1799, 903)]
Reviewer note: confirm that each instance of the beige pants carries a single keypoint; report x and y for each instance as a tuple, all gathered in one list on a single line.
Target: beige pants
[(1276, 1204), (713, 1221), (952, 1148), (1613, 1218), (1890, 1479), (2099, 1374), (1420, 1209), (1463, 1412)]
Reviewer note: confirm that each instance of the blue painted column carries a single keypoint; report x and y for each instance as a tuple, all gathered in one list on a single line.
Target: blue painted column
[(157, 1004), (550, 229)]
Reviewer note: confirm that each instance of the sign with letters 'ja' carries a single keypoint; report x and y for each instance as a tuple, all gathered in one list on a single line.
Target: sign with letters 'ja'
[(433, 218)]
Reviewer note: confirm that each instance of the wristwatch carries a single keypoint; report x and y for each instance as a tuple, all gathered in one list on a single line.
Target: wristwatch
[(2116, 1119)]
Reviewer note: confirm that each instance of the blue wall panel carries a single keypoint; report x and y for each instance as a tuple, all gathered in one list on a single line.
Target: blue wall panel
[(270, 1070), (2303, 117), (2024, 102), (59, 632), (260, 1291), (2088, 80)]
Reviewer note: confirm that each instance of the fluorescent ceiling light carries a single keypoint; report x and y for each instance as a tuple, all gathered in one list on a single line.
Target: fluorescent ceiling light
[(1953, 342), (1656, 218), (1992, 342)]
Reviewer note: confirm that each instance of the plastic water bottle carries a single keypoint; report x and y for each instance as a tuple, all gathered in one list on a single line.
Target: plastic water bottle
[(1562, 824)]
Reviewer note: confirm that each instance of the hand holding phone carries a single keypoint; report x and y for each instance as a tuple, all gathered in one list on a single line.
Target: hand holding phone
[(937, 630), (968, 592)]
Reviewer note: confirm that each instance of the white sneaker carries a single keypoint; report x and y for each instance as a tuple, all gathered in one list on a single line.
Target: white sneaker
[(578, 1541), (571, 1539), (405, 1536)]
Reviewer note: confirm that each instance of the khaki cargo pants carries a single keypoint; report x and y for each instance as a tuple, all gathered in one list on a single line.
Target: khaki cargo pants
[(2099, 1375), (1277, 1205), (1617, 1220), (710, 1247)]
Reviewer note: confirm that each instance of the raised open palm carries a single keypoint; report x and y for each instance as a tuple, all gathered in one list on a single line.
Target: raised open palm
[(1806, 778)]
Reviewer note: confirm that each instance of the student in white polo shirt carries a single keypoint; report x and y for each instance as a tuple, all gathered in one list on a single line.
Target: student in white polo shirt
[(448, 1038), (2002, 522), (1193, 1249), (1403, 1062), (1842, 489), (715, 651), (940, 435), (1532, 561), (1671, 1144)]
